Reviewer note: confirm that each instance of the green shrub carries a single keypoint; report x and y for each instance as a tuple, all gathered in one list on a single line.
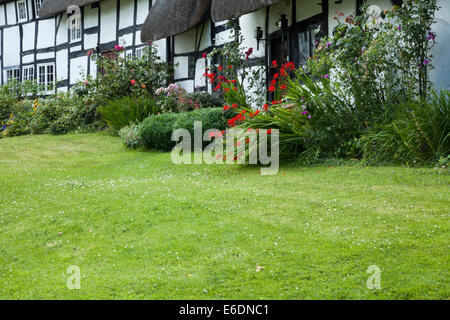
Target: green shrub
[(120, 113), (156, 131), (59, 114), (418, 133), (211, 118), (130, 136)]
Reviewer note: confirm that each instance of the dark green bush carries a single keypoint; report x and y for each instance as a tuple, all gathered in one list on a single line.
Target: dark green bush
[(200, 100), (120, 113), (156, 131)]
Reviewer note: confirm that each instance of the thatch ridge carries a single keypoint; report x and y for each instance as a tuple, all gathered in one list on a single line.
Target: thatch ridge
[(52, 7), (171, 17), (225, 10)]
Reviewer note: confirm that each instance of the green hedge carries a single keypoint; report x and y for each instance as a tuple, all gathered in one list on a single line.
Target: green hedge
[(156, 131)]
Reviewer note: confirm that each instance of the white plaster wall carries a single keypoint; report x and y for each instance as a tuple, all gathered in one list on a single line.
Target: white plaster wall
[(126, 40), (200, 67), (205, 41), (307, 9), (161, 47), (248, 24), (181, 67), (46, 33), (224, 37), (187, 85), (185, 42), (108, 21), (2, 15), (61, 64), (90, 17), (28, 58), (46, 55), (142, 11), (126, 13), (61, 35), (78, 69), (11, 13), (28, 36), (90, 41), (12, 46), (441, 74)]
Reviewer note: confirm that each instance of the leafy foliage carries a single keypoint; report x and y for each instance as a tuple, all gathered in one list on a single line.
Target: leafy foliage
[(119, 113)]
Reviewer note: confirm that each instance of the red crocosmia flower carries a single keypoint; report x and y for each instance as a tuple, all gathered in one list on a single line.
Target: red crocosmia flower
[(225, 108), (235, 89), (273, 82), (276, 75), (266, 107), (217, 88), (283, 87), (272, 88), (220, 68), (230, 67), (247, 141), (283, 72), (133, 82), (233, 81), (275, 63), (234, 105), (269, 131), (205, 55), (256, 113), (227, 89), (249, 130)]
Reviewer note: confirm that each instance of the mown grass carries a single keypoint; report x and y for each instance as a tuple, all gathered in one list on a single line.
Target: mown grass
[(141, 227)]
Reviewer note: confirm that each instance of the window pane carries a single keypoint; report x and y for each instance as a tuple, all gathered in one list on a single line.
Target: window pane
[(304, 47)]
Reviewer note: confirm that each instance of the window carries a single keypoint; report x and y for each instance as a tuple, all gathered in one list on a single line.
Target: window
[(75, 28), (308, 38), (28, 73), (139, 53), (46, 76), (13, 75), (37, 6), (22, 10)]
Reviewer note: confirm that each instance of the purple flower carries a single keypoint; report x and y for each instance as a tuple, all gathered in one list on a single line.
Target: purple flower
[(305, 112), (399, 27), (118, 48), (431, 35), (427, 61), (328, 43), (309, 117)]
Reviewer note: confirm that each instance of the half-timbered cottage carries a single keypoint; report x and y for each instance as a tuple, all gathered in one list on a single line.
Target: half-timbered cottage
[(41, 39)]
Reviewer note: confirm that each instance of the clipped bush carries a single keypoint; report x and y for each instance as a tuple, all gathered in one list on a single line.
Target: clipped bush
[(128, 110), (156, 131)]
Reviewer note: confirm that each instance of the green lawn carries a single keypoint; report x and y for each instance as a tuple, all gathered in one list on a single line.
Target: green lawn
[(141, 227)]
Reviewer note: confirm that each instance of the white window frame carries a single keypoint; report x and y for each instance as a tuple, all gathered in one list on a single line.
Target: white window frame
[(11, 74), (46, 76), (28, 73), (37, 5), (75, 32), (22, 15), (139, 52)]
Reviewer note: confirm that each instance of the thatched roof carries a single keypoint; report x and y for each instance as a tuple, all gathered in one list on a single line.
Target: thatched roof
[(171, 17), (52, 7), (225, 10)]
